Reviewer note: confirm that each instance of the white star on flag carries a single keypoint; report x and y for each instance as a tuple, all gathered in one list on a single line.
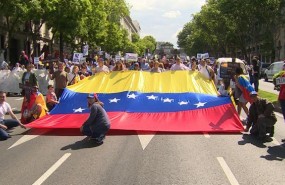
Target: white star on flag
[(78, 110), (200, 104), (152, 97), (183, 103), (115, 100), (167, 100), (132, 96)]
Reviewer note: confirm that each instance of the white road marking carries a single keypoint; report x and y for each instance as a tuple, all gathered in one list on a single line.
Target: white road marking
[(18, 99), (23, 139), (206, 135), (227, 171), (274, 141), (145, 138), (52, 169), (26, 138)]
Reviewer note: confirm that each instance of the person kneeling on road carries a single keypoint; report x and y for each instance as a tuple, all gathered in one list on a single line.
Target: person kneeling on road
[(98, 123), (261, 117), (6, 124)]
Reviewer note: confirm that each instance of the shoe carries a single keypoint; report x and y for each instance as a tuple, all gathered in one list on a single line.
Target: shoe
[(98, 140)]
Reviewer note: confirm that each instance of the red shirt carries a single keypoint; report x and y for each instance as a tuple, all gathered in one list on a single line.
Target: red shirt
[(282, 91)]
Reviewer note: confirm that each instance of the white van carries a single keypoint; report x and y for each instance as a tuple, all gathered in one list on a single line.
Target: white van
[(274, 68), (226, 68)]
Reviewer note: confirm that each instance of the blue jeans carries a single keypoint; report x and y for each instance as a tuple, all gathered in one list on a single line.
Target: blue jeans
[(256, 83), (99, 132), (9, 123)]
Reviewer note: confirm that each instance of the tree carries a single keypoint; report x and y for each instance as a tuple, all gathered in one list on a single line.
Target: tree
[(149, 42), (67, 18), (12, 11), (38, 12), (232, 25), (135, 37)]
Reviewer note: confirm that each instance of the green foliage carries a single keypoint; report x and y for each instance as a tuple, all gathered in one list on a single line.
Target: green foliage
[(135, 37), (224, 26), (149, 42), (96, 22)]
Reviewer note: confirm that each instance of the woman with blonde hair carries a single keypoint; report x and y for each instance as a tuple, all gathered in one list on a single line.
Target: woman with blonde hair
[(119, 66), (161, 65), (74, 77), (156, 68)]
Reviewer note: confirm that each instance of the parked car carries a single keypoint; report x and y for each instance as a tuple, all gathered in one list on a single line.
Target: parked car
[(263, 67), (274, 68)]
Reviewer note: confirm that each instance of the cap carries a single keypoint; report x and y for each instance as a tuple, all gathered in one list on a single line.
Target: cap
[(92, 95), (253, 93), (193, 58)]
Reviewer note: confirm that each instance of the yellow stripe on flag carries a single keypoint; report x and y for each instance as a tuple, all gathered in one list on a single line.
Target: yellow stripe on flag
[(146, 82)]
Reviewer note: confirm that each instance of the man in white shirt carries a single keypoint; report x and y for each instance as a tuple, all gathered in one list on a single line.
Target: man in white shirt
[(206, 70), (6, 124), (178, 65), (101, 67)]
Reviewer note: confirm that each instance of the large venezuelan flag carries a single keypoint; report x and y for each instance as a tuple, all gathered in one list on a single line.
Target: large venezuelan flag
[(180, 101)]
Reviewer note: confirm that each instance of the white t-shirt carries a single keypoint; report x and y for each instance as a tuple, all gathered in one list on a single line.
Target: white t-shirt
[(204, 71), (102, 69), (176, 67), (4, 108)]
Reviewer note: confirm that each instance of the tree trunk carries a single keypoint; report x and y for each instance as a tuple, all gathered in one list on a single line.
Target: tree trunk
[(61, 47), (35, 52), (6, 46)]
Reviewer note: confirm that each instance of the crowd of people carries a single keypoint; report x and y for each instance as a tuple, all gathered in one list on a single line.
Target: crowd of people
[(260, 115)]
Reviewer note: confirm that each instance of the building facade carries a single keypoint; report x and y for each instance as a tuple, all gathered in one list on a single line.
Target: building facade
[(131, 26)]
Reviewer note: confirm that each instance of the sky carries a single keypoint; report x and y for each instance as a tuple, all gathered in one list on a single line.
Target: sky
[(163, 19)]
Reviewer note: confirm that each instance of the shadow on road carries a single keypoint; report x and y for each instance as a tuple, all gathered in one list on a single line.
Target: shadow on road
[(275, 153), (247, 138), (85, 143)]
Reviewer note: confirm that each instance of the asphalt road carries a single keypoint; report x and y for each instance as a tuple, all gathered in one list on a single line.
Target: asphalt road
[(65, 157)]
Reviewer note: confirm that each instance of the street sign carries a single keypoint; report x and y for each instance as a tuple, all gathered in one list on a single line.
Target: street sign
[(36, 60)]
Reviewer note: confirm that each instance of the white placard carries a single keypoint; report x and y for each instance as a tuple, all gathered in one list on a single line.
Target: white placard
[(199, 56), (131, 57), (36, 60), (77, 57), (118, 57), (85, 50), (280, 81), (82, 60)]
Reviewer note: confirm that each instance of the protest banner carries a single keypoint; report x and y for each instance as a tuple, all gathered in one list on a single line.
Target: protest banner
[(131, 57), (77, 57)]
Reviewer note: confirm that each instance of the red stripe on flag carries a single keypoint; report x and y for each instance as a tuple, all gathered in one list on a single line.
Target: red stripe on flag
[(216, 119)]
